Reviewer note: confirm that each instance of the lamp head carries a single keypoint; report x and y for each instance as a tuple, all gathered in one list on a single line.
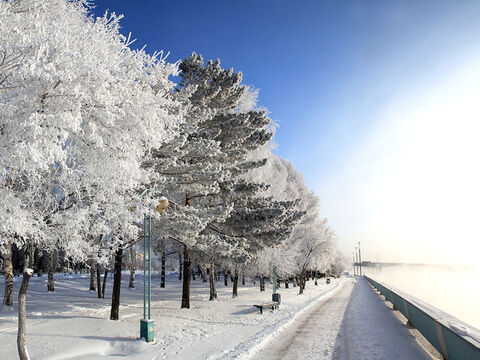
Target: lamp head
[(162, 205)]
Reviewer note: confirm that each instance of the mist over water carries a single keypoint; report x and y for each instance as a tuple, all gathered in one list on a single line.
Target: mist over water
[(455, 290)]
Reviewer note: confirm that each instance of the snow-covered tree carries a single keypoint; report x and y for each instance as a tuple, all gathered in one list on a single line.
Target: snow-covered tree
[(257, 220), (78, 113), (191, 167), (310, 243)]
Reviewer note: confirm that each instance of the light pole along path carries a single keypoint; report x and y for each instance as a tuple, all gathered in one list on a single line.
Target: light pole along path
[(146, 324)]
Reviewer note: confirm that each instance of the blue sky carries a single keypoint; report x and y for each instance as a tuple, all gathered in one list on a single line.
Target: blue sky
[(340, 77)]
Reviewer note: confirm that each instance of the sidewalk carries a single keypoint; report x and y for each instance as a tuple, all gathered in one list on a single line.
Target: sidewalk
[(313, 334), (371, 331)]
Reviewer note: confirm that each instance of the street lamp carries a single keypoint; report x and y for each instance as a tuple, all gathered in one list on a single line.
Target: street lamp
[(162, 205), (275, 295), (360, 258), (354, 272), (146, 324), (356, 260)]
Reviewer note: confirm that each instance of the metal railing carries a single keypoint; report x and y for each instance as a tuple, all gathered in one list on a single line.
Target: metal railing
[(454, 340)]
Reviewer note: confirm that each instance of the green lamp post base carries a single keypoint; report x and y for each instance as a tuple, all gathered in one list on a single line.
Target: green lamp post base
[(146, 330)]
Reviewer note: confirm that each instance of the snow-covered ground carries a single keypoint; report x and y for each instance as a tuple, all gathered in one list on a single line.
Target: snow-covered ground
[(73, 324)]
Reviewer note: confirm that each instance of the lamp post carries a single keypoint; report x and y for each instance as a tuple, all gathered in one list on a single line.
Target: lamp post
[(360, 258), (274, 278), (356, 260), (354, 272), (146, 324), (275, 295)]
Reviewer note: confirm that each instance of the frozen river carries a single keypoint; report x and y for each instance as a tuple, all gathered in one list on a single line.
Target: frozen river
[(455, 290)]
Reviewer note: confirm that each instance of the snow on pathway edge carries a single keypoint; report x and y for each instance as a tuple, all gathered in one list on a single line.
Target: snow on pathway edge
[(252, 345)]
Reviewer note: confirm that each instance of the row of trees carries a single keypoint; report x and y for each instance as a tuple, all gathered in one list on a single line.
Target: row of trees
[(92, 132)]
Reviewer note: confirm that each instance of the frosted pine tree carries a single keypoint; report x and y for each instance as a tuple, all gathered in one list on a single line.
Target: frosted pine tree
[(190, 169), (258, 220)]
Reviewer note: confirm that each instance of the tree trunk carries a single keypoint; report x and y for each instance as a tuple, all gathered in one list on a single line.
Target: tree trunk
[(39, 263), (243, 279), (204, 274), (180, 267), (193, 273), (162, 281), (225, 278), (45, 262), (286, 283), (131, 282), (31, 257), (104, 283), (8, 272), (213, 290), (262, 283), (133, 262), (235, 284), (22, 315), (117, 279), (51, 270), (92, 277), (301, 283), (186, 279), (99, 288)]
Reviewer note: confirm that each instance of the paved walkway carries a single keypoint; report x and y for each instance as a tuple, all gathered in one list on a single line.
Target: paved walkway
[(355, 324), (313, 335), (370, 330)]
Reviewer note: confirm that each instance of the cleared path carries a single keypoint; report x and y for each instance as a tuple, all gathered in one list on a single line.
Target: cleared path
[(313, 335), (370, 330), (354, 324)]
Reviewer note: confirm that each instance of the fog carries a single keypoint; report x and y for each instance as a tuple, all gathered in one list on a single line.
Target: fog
[(407, 189), (455, 290)]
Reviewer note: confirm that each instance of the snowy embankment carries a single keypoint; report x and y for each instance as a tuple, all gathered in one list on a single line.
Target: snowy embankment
[(73, 324)]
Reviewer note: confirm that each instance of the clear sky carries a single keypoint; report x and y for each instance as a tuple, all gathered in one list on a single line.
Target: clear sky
[(377, 101)]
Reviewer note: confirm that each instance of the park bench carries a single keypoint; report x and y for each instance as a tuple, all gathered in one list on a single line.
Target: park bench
[(271, 304)]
